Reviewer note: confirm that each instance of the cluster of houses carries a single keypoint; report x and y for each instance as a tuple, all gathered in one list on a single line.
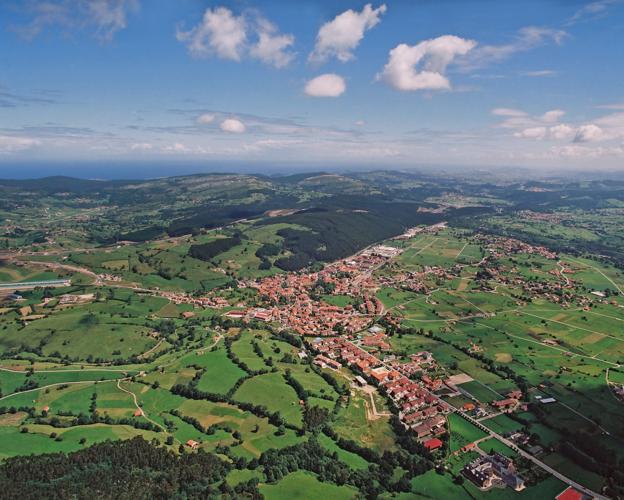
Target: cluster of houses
[(500, 246), (510, 403), (295, 301), (419, 409), (494, 470)]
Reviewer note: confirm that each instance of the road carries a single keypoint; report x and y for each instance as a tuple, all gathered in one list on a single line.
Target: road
[(533, 459), (513, 446)]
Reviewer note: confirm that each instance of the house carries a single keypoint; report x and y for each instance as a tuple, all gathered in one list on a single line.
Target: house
[(433, 444), (360, 380), (469, 406), (188, 314), (505, 404), (468, 447), (571, 494), (193, 445), (138, 412)]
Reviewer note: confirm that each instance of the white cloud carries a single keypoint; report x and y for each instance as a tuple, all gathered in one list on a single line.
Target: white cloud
[(109, 16), (525, 124), (527, 38), (339, 37), (404, 73), (588, 133), (532, 133), (141, 146), (561, 132), (13, 144), (106, 17), (539, 73), (226, 35), (177, 147), (220, 32), (592, 10), (206, 118), (327, 85), (233, 126), (508, 112), (552, 116), (271, 47)]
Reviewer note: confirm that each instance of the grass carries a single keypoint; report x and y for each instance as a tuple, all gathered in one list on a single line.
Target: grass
[(303, 485), (351, 459), (502, 424), (220, 372), (495, 445), (353, 424), (462, 432), (272, 391)]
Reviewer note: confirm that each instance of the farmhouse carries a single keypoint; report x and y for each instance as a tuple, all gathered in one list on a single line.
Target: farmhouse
[(433, 444), (193, 445)]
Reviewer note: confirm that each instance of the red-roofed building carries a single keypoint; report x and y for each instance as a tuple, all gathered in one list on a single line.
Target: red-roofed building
[(571, 494), (433, 444)]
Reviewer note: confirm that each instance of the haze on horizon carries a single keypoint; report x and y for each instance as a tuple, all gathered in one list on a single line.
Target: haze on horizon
[(395, 84)]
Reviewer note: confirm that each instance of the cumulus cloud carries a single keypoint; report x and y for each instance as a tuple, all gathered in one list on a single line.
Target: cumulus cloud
[(327, 85), (272, 47), (561, 132), (588, 133), (423, 66), (220, 33), (206, 118), (547, 126), (13, 144), (105, 17), (223, 34), (532, 133), (233, 126), (340, 37), (552, 116), (523, 122)]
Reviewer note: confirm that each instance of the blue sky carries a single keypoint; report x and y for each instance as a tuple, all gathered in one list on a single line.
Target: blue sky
[(532, 83)]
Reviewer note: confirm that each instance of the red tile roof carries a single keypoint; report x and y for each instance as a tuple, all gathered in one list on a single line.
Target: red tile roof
[(433, 444)]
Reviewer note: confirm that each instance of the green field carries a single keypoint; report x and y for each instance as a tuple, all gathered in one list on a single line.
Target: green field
[(305, 485)]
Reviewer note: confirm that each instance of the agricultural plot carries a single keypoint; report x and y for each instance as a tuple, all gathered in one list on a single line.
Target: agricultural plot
[(352, 423), (462, 432), (220, 374), (244, 350), (301, 485), (272, 391), (502, 424)]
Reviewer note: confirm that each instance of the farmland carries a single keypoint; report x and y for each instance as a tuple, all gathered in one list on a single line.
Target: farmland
[(206, 342)]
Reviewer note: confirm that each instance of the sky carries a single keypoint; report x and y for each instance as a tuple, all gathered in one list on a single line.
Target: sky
[(398, 84)]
